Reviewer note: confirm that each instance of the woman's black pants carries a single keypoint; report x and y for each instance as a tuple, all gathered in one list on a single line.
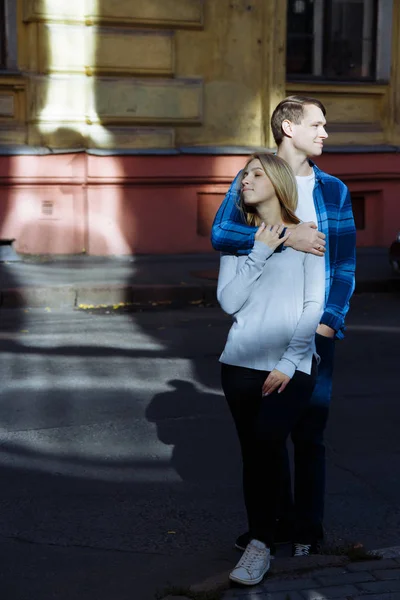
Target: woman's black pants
[(263, 425)]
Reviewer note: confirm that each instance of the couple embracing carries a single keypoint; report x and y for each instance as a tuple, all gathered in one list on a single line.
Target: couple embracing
[(286, 235)]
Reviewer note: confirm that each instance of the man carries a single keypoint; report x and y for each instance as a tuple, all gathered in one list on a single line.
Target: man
[(327, 229)]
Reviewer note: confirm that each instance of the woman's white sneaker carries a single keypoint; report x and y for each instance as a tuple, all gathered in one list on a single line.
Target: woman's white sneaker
[(253, 564)]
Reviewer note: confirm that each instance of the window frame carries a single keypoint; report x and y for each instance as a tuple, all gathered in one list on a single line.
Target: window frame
[(382, 49), (10, 37)]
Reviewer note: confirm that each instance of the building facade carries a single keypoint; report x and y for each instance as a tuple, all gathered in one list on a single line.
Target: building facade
[(122, 123)]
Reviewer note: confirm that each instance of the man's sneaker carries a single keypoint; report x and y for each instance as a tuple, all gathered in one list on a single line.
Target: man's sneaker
[(304, 549), (253, 564)]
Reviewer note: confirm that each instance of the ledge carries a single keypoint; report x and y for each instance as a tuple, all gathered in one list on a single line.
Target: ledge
[(186, 150)]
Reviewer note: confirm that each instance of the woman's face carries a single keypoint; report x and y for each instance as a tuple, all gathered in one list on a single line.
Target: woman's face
[(256, 185)]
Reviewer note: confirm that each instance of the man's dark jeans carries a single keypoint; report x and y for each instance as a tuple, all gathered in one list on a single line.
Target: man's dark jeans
[(263, 425)]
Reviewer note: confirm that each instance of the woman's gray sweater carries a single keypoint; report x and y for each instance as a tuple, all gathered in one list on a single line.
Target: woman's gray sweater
[(276, 300)]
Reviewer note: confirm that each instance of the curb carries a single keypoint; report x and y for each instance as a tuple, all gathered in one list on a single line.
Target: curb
[(289, 568), (280, 566), (140, 295)]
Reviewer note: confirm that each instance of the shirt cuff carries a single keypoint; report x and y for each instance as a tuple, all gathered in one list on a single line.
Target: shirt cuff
[(286, 366)]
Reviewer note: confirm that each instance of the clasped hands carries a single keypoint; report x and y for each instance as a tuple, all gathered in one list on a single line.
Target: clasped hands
[(304, 237)]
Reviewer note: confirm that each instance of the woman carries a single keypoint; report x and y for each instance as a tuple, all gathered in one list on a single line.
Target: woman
[(269, 360)]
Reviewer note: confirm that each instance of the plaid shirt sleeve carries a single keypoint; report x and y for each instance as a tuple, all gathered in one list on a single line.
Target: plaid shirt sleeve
[(229, 232), (342, 268)]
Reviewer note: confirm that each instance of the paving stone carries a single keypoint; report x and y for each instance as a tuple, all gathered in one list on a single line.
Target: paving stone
[(388, 596), (292, 595), (387, 574), (326, 593), (345, 578), (330, 571), (372, 565), (302, 563), (289, 584), (381, 586), (258, 594)]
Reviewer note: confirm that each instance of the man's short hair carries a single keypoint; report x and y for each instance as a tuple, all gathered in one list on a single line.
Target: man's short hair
[(291, 108)]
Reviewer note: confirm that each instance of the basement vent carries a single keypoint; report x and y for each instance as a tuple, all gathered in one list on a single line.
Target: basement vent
[(47, 207)]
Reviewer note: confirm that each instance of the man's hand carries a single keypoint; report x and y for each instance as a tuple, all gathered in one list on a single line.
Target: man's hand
[(326, 331), (306, 238), (276, 379)]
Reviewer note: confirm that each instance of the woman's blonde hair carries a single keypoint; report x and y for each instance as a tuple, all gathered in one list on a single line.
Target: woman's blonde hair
[(284, 183)]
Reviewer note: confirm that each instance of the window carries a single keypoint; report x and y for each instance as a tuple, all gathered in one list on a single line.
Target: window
[(339, 40), (8, 35), (2, 35), (358, 204)]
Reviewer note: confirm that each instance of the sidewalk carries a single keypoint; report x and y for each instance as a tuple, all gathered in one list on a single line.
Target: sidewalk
[(143, 281), (318, 577)]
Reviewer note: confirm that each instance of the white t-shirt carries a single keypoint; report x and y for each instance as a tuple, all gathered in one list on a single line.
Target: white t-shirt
[(305, 207)]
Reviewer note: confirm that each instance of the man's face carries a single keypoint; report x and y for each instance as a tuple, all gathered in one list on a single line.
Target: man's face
[(309, 135)]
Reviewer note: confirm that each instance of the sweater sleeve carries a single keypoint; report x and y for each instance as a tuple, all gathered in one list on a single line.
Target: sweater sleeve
[(314, 297), (235, 284)]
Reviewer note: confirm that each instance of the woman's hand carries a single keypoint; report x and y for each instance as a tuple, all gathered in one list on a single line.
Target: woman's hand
[(270, 235), (276, 379)]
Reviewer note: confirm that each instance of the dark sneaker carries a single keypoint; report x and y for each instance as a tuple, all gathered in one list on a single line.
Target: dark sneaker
[(304, 549)]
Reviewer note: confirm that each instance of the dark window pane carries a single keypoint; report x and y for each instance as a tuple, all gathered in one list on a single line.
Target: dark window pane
[(3, 56), (300, 37), (332, 39), (358, 203), (349, 39)]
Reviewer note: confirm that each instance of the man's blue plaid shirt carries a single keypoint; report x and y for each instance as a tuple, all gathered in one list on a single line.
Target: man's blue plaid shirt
[(335, 219)]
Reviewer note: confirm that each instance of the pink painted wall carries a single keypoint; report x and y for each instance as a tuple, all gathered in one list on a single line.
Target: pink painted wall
[(73, 203)]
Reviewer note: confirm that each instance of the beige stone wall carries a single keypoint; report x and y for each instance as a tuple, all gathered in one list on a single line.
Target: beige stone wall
[(170, 73)]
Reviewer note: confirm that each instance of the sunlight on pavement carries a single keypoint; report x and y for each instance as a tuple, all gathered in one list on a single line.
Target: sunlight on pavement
[(109, 412)]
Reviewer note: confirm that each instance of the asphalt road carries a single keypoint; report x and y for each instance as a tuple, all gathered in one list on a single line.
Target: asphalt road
[(119, 465)]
